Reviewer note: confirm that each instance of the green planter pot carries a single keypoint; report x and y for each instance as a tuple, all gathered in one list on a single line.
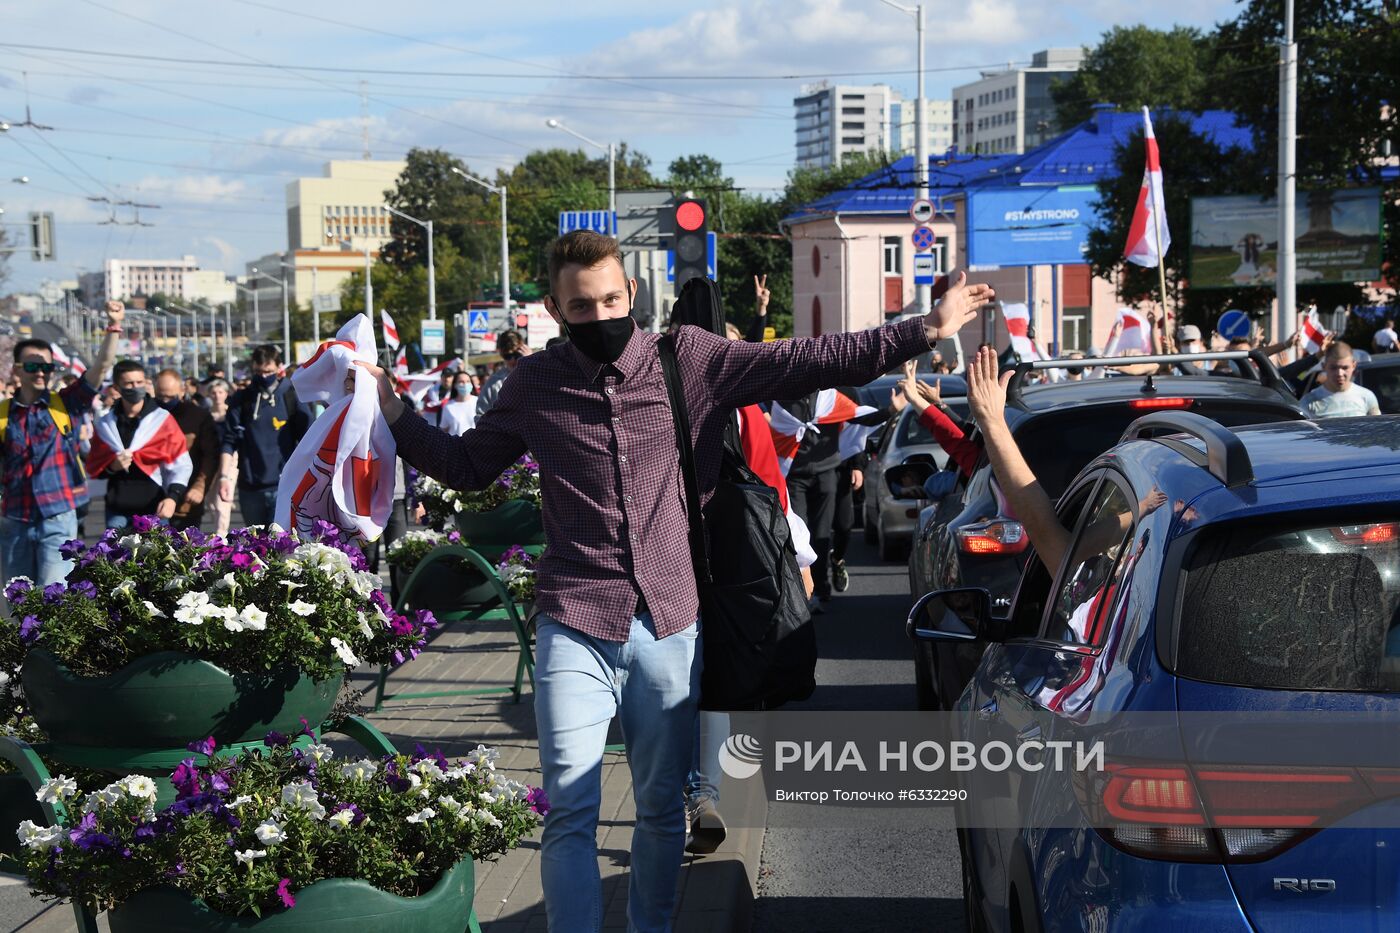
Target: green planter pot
[(448, 587), (17, 804), (166, 700), (335, 905), (513, 522)]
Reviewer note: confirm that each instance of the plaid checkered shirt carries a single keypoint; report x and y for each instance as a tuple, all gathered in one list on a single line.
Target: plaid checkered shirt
[(614, 509), (43, 472)]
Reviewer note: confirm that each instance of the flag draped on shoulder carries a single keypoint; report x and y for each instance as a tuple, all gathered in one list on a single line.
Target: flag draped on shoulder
[(342, 472), (832, 407), (157, 449), (1148, 236)]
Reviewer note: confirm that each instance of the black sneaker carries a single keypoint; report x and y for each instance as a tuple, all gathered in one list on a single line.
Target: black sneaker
[(840, 577), (707, 829)]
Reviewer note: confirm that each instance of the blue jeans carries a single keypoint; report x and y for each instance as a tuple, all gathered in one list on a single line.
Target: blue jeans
[(581, 682), (30, 549), (711, 730), (257, 505)]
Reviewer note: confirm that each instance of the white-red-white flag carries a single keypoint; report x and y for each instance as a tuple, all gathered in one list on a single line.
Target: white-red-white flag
[(75, 364), (1148, 236), (418, 384), (1136, 333), (391, 332), (1313, 332), (1018, 325), (831, 407)]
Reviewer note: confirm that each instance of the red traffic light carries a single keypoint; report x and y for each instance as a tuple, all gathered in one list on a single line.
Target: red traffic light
[(690, 215)]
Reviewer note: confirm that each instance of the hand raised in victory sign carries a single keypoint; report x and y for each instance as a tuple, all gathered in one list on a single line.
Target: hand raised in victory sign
[(959, 304), (761, 294)]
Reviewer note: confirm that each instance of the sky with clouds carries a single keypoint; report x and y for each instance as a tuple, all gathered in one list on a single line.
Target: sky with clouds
[(207, 109)]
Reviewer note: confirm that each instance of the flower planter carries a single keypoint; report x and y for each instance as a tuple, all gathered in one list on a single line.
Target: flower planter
[(335, 905), (449, 587), (165, 700), (513, 522)]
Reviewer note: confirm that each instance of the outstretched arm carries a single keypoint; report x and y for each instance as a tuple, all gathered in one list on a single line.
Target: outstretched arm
[(987, 395)]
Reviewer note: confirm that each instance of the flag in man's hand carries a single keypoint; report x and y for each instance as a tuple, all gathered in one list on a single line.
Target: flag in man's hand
[(1148, 236)]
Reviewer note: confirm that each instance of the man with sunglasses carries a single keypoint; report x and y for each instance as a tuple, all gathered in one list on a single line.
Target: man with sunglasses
[(44, 482), (512, 348)]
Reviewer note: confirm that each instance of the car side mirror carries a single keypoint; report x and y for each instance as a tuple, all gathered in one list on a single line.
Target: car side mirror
[(959, 615), (906, 481)]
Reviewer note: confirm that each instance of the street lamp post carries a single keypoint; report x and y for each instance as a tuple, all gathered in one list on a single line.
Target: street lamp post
[(923, 294), (228, 339), (612, 166), (505, 239), (432, 271), (194, 334), (286, 331), (1285, 314)]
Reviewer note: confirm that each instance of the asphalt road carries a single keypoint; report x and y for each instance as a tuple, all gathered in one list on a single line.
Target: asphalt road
[(899, 870)]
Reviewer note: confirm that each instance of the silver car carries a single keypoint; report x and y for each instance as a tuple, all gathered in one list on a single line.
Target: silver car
[(890, 523)]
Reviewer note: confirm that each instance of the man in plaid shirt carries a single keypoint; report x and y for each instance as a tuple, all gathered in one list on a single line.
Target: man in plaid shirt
[(44, 483), (617, 628)]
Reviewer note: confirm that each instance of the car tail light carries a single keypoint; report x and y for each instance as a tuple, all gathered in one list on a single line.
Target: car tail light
[(1382, 533), (1168, 810), (993, 538), (1157, 404)]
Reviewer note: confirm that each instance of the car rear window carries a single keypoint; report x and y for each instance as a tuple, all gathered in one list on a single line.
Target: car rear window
[(912, 431), (1308, 607), (1057, 445)]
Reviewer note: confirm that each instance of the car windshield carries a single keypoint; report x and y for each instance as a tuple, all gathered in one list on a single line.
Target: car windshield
[(1385, 382), (1306, 607), (1057, 445)]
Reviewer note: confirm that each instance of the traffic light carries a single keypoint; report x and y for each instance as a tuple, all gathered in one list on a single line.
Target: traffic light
[(41, 235), (690, 241)]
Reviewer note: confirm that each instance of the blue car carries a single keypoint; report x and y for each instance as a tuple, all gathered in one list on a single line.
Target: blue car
[(1215, 571)]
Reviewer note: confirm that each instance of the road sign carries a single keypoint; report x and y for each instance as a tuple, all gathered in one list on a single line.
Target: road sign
[(328, 301), (921, 211), (923, 239), (1233, 325), (598, 221), (923, 268), (478, 322), (643, 219), (711, 262), (433, 338)]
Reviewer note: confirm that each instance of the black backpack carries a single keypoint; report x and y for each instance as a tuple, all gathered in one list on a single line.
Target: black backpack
[(760, 647)]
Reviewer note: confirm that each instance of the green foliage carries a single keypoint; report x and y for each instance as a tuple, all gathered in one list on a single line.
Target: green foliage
[(247, 833), (1134, 67)]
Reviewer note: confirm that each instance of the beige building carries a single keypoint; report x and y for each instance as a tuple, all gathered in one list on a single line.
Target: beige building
[(938, 123), (126, 278), (347, 203)]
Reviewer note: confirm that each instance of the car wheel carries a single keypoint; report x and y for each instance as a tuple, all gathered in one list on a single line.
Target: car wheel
[(972, 908), (924, 689)]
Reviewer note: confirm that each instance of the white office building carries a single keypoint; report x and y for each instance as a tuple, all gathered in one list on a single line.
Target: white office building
[(834, 121), (1011, 110), (938, 123)]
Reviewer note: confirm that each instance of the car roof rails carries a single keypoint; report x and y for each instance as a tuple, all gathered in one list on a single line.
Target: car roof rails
[(1226, 456), (1264, 370)]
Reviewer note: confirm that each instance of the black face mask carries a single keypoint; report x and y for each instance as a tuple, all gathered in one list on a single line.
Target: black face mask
[(169, 404), (603, 341), (261, 381), (133, 397)]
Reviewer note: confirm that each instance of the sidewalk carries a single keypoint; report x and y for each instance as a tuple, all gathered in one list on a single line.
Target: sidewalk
[(716, 891)]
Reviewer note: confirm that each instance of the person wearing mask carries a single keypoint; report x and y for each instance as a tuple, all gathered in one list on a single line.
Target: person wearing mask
[(263, 426), (218, 391), (202, 440), (617, 621), (1337, 396), (139, 448), (512, 348), (458, 414), (44, 482)]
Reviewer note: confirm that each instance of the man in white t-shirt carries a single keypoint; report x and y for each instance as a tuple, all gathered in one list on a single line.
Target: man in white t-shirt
[(1386, 340), (1336, 396)]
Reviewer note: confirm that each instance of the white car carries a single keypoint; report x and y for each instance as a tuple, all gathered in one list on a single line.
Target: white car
[(890, 522)]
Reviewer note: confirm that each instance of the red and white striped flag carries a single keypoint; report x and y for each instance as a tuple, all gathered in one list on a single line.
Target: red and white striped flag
[(831, 407), (1135, 334), (75, 365), (391, 333), (1313, 332), (1018, 325), (1148, 236)]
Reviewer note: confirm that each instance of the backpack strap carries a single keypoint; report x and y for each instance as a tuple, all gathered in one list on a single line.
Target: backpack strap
[(59, 413), (699, 546), (4, 417)]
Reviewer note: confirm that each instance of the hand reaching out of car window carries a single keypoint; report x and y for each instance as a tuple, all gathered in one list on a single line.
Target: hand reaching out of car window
[(897, 400)]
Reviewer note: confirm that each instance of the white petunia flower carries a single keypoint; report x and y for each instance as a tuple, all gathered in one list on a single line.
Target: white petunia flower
[(361, 770), (460, 772), (131, 543), (343, 651), (363, 626), (246, 856), (429, 769), (319, 753), (239, 801), (302, 608), (422, 816), (340, 820), (303, 796), (56, 790), (252, 618), (486, 817), (33, 836), (141, 786), (153, 609), (124, 588), (488, 797), (270, 833)]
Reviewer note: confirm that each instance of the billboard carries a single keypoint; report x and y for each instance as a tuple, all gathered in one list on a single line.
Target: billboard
[(1029, 226), (1234, 239)]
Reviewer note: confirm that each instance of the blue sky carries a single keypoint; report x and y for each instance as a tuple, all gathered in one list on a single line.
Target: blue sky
[(215, 144)]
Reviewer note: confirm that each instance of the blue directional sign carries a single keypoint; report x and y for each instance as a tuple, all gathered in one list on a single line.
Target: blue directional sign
[(1233, 325), (478, 323), (923, 239), (711, 262), (604, 222)]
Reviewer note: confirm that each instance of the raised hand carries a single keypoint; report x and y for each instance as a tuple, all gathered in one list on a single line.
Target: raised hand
[(933, 394), (389, 402), (761, 294), (986, 391), (897, 400), (959, 304), (115, 312)]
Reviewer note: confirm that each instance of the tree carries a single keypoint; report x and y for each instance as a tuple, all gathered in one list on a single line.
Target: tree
[(1134, 67)]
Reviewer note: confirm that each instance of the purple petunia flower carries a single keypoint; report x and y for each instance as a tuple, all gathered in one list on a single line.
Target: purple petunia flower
[(185, 779), (144, 833), (203, 747), (17, 588), (218, 782), (85, 588), (142, 524), (284, 891), (275, 739), (29, 629), (53, 593), (72, 550), (538, 800), (357, 815)]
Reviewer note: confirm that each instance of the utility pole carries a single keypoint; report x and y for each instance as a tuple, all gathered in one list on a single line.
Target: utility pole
[(923, 294), (1285, 313)]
